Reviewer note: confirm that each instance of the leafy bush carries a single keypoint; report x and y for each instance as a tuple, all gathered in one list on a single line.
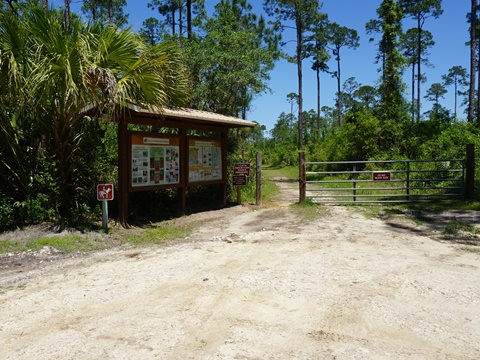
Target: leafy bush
[(451, 142), (286, 155), (356, 140), (32, 211)]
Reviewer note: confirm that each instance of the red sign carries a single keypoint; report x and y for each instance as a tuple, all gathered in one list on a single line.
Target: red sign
[(104, 192), (241, 169), (239, 180), (381, 176)]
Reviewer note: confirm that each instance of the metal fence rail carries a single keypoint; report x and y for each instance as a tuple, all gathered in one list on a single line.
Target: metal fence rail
[(385, 181)]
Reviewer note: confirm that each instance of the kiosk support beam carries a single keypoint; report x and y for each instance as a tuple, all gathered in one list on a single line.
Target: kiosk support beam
[(123, 171)]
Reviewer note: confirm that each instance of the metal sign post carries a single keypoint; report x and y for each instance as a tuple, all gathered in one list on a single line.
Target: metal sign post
[(104, 194), (105, 215)]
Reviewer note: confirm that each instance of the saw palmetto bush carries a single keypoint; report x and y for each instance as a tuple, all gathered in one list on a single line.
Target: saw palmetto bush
[(49, 77)]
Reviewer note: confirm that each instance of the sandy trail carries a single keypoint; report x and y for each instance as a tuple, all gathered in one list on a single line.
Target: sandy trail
[(255, 283)]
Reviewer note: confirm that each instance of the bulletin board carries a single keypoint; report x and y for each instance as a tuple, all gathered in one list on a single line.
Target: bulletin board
[(155, 160), (204, 160)]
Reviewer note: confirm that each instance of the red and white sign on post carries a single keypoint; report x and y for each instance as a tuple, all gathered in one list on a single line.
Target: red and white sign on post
[(240, 173), (239, 180), (104, 192), (241, 169)]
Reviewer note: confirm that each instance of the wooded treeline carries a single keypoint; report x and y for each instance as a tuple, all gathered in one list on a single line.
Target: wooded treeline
[(395, 126), (53, 64)]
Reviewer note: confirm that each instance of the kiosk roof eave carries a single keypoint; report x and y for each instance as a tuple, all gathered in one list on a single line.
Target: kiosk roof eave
[(191, 116)]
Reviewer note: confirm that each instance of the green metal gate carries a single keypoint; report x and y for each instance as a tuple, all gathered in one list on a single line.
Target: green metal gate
[(385, 181)]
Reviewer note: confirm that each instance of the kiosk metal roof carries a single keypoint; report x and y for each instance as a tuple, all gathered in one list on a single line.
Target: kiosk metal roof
[(193, 115)]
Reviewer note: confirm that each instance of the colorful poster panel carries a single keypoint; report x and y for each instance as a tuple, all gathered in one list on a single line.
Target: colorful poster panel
[(172, 165), (204, 160), (155, 160), (140, 165)]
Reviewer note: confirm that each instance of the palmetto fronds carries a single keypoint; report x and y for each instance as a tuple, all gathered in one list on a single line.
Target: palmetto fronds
[(48, 76)]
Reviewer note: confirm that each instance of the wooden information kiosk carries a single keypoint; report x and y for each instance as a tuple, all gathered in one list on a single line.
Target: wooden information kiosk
[(151, 160)]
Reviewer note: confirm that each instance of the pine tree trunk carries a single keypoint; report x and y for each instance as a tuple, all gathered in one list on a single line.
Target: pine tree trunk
[(180, 20), (189, 19), (300, 82), (244, 102), (12, 7), (110, 12), (67, 15), (477, 107), (473, 52), (456, 94), (419, 71), (339, 102), (319, 107), (413, 92)]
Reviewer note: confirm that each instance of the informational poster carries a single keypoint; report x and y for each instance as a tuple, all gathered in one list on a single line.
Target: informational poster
[(204, 160), (155, 160)]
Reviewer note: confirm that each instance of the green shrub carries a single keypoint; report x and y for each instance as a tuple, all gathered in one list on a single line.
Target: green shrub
[(32, 211)]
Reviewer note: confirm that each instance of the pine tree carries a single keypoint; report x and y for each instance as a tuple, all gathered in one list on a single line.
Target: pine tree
[(457, 76), (302, 13), (339, 37), (392, 104), (420, 10)]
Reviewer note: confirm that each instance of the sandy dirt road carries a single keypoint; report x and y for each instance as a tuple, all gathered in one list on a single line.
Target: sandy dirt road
[(254, 283)]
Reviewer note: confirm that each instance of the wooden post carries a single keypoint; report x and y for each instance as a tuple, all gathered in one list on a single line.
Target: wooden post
[(123, 176), (223, 186), (259, 179), (239, 195), (303, 177), (470, 172), (183, 169)]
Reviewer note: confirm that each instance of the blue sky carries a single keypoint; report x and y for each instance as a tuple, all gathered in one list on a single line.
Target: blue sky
[(450, 33)]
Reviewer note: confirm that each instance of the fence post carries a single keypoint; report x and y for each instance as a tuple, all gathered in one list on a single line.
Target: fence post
[(470, 172), (354, 183), (259, 178), (407, 184), (303, 177)]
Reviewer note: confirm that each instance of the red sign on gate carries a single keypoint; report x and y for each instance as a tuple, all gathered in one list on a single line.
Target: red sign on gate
[(104, 192), (381, 176)]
